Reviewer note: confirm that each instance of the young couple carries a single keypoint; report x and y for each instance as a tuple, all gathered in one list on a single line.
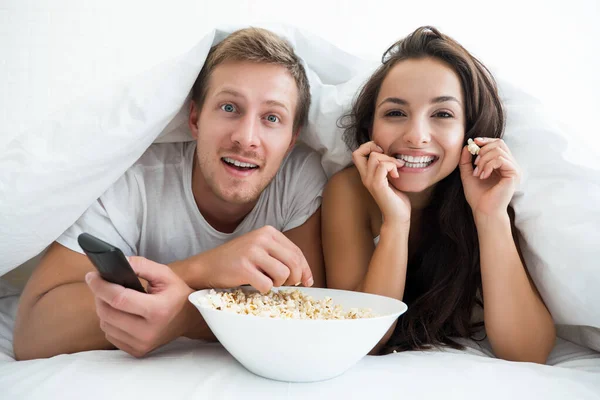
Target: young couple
[(417, 217)]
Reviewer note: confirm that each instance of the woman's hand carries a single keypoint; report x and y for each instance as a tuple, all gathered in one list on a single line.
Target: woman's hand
[(374, 168), (490, 186)]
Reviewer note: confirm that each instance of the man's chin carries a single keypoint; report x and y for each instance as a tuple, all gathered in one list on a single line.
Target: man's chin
[(240, 197)]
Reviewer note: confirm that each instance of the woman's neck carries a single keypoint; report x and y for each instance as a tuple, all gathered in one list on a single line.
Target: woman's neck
[(420, 200)]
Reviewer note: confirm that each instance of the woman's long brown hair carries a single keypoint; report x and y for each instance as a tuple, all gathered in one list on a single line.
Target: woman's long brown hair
[(443, 279)]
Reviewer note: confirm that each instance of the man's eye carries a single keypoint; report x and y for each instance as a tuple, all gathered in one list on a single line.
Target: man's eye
[(228, 108), (272, 118)]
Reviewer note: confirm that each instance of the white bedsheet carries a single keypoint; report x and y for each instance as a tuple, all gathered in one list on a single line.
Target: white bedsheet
[(186, 369)]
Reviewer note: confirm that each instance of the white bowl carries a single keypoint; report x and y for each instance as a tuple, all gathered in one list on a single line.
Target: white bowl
[(295, 350)]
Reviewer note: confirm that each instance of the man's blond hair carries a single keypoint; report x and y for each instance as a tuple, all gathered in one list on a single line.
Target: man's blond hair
[(259, 46)]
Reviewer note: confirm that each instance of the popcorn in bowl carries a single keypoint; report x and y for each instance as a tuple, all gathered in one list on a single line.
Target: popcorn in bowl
[(282, 304)]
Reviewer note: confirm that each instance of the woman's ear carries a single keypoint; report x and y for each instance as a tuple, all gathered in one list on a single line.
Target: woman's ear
[(193, 119)]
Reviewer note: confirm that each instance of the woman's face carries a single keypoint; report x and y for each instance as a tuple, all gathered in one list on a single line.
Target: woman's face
[(419, 117)]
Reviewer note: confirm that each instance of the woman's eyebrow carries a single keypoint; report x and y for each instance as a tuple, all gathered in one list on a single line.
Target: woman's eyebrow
[(402, 102), (393, 100), (442, 99)]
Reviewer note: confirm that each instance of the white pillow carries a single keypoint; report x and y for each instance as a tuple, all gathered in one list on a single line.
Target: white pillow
[(557, 211), (50, 175)]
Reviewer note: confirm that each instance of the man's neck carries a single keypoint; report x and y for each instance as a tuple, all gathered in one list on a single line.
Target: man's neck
[(222, 216)]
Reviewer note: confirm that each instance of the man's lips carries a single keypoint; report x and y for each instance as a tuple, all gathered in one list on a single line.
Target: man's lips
[(239, 163)]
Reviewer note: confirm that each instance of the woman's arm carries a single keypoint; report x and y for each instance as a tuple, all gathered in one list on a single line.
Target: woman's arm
[(517, 322), (352, 262)]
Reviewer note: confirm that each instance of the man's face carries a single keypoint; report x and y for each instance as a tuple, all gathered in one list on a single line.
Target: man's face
[(244, 129)]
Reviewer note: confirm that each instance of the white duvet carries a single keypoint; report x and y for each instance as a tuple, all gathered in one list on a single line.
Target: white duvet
[(186, 369)]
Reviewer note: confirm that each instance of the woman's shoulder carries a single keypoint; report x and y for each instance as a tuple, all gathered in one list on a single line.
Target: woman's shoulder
[(345, 183), (345, 191), (347, 178)]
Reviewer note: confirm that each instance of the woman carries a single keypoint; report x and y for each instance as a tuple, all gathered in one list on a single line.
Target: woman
[(417, 219)]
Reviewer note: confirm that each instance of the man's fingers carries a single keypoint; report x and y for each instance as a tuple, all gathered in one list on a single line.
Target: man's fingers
[(307, 276), (127, 300), (284, 250), (275, 269), (108, 314), (117, 333), (125, 346), (260, 281), (149, 270)]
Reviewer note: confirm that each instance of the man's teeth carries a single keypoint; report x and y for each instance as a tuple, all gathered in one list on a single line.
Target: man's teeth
[(239, 163), (416, 162)]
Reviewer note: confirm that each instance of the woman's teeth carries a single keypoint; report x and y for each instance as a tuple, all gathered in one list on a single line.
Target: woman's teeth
[(416, 162)]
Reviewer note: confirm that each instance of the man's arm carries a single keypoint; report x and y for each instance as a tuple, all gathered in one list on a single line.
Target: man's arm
[(57, 311), (308, 238)]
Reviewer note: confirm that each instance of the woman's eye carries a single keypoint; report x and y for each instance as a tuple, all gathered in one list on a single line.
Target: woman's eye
[(443, 114), (394, 113), (228, 108), (272, 118)]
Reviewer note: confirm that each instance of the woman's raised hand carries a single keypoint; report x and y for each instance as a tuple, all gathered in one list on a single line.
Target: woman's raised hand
[(375, 167), (489, 187)]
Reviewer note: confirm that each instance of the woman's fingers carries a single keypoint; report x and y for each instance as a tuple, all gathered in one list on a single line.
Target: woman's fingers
[(361, 156), (488, 144), (503, 164), (483, 159)]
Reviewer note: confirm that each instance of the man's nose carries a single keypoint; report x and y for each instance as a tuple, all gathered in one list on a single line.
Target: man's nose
[(417, 132), (246, 133)]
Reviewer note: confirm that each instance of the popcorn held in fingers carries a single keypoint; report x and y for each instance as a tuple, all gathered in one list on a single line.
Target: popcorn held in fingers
[(472, 147), (284, 304)]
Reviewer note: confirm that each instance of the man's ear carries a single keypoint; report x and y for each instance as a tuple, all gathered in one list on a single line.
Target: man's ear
[(294, 139), (193, 119)]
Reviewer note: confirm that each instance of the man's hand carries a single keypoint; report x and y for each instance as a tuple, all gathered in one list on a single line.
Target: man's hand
[(262, 258), (138, 323)]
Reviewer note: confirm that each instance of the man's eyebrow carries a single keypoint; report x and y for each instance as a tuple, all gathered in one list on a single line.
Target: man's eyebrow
[(277, 103), (235, 93), (230, 92)]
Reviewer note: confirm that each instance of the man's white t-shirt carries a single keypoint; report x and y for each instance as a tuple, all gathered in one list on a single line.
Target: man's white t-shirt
[(151, 212)]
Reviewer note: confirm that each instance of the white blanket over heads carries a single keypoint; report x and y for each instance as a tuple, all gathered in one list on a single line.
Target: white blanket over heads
[(51, 174)]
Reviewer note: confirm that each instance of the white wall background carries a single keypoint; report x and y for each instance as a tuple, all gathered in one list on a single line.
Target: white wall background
[(52, 52)]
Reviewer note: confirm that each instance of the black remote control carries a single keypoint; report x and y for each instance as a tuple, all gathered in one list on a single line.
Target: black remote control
[(110, 262)]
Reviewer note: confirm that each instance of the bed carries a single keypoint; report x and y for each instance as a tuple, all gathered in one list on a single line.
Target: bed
[(186, 369), (52, 160)]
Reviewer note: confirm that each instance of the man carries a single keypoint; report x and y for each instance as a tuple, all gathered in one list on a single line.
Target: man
[(208, 213)]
